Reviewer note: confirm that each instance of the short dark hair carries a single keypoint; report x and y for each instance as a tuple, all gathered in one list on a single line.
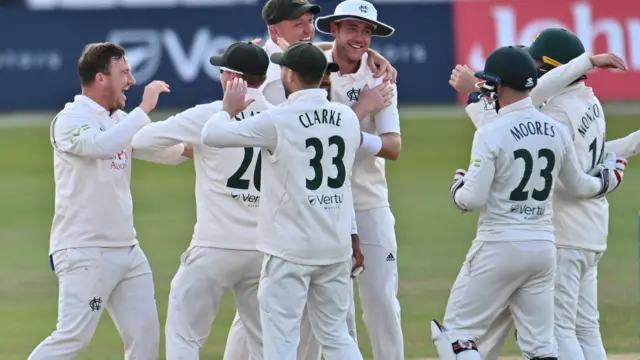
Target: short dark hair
[(310, 80), (96, 58), (254, 81)]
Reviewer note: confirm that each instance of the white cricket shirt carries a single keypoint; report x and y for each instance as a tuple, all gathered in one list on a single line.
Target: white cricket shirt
[(227, 180), (92, 172), (308, 149), (515, 162), (272, 88), (579, 223), (369, 182)]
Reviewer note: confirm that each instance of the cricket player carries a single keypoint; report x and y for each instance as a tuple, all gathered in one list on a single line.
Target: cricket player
[(306, 210), (353, 24), (288, 22), (581, 225), (515, 163), (222, 255), (93, 250)]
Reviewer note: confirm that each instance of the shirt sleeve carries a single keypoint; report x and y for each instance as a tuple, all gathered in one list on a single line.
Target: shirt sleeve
[(274, 92), (625, 147), (167, 156), (477, 183), (184, 127), (73, 133), (388, 119), (559, 78), (256, 131), (479, 115), (354, 224), (575, 181)]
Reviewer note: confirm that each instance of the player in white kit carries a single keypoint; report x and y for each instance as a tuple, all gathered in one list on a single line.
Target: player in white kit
[(94, 251), (353, 24), (222, 255), (515, 163), (288, 22), (306, 211), (581, 226)]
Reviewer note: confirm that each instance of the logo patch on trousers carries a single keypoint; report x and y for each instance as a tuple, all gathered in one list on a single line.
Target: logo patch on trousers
[(391, 258), (95, 304)]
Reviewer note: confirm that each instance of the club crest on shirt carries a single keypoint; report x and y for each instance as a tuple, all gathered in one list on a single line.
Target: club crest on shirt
[(353, 94), (119, 162)]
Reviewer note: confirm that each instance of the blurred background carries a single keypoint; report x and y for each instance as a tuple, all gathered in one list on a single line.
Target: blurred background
[(172, 40)]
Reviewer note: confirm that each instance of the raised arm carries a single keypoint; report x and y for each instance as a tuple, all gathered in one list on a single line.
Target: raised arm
[(257, 131), (72, 133), (559, 78), (626, 147), (184, 127), (479, 114), (470, 190)]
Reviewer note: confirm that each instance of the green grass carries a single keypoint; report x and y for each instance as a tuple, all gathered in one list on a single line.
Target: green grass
[(433, 238)]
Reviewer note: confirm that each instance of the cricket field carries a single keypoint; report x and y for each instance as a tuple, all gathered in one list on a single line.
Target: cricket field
[(433, 236)]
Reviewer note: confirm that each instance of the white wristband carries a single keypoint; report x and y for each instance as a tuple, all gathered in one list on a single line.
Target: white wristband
[(371, 144)]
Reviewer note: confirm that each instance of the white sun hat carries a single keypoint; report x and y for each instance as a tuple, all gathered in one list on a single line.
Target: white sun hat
[(355, 10)]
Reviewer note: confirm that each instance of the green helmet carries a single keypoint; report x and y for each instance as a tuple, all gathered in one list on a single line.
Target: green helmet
[(509, 66), (554, 47)]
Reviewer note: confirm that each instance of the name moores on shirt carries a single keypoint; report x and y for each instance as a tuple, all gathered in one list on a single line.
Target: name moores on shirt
[(528, 128)]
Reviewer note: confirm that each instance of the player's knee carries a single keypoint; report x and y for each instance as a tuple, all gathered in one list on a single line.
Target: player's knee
[(381, 303), (74, 340)]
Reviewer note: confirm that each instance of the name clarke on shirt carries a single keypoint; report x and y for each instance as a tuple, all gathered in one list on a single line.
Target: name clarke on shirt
[(330, 117)]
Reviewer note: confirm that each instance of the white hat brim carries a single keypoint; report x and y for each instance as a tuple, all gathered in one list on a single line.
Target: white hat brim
[(323, 24)]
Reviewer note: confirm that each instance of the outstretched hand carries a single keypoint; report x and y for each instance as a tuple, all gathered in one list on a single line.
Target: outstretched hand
[(234, 100)]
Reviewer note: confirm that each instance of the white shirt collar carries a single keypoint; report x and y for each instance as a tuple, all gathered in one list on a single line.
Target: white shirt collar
[(91, 103), (302, 95), (518, 105)]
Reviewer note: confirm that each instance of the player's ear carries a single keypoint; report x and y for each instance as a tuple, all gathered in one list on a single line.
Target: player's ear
[(334, 28), (273, 32), (100, 78), (291, 77)]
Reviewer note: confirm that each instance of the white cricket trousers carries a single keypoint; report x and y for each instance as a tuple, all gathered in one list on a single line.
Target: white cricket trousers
[(378, 284), (308, 349), (577, 325), (91, 280), (204, 277), (496, 276), (576, 316), (285, 288)]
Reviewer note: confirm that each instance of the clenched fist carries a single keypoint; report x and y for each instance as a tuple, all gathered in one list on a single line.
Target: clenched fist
[(463, 79)]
